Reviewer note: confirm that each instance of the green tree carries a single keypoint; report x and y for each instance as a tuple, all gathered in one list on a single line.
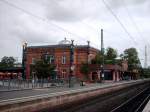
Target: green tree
[(98, 59), (109, 57), (85, 70), (146, 72), (43, 69), (110, 53), (131, 55), (7, 62)]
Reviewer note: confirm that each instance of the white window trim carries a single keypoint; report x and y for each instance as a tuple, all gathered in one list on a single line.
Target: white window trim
[(63, 60), (51, 58), (64, 74), (33, 60)]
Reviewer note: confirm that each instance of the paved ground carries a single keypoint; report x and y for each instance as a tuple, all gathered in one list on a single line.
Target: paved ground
[(7, 95), (33, 92), (5, 88)]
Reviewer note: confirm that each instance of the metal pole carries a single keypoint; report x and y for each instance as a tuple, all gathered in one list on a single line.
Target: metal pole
[(88, 42), (71, 62), (102, 52), (23, 61), (145, 61)]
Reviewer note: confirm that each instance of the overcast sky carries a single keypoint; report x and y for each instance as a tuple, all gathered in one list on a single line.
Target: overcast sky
[(40, 22)]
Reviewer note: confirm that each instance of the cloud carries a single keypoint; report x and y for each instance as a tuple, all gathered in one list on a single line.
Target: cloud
[(120, 3), (81, 17), (72, 10)]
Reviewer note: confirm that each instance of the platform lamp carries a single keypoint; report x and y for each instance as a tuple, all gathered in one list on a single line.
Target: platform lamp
[(88, 46), (23, 60)]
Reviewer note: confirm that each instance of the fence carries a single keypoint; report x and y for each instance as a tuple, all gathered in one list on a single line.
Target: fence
[(39, 83)]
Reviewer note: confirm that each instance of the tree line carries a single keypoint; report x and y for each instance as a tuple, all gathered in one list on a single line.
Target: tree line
[(7, 62)]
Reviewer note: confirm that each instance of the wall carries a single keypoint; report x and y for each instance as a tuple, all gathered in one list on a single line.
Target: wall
[(80, 56)]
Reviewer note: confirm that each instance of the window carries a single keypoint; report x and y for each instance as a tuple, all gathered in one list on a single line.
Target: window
[(64, 73), (33, 60), (63, 59), (51, 59), (46, 57)]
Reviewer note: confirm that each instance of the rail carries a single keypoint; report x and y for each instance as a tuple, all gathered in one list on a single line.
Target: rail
[(136, 103)]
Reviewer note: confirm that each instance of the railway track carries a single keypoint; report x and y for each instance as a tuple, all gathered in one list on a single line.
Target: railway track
[(118, 101), (136, 103)]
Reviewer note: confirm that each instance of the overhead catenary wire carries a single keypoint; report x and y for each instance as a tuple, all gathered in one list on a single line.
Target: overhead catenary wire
[(118, 20), (105, 30), (134, 23), (121, 24), (44, 19), (108, 32), (57, 26)]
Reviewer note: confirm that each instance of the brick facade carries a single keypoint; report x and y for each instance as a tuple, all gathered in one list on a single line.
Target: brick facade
[(82, 54), (60, 57)]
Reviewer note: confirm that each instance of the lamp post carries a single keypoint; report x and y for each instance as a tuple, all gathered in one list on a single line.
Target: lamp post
[(88, 46), (71, 62), (23, 60)]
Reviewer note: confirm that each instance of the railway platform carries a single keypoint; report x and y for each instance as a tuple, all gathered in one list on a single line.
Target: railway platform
[(147, 107)]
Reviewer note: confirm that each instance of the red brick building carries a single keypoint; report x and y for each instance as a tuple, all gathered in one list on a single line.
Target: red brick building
[(60, 56)]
